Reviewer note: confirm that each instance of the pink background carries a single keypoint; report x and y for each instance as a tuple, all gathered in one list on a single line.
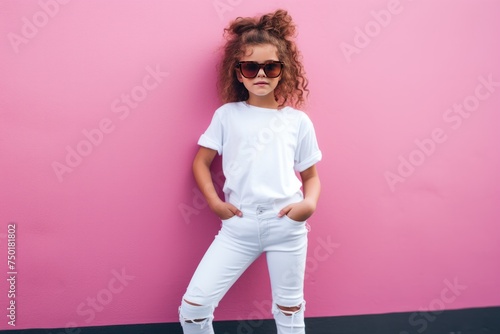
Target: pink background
[(130, 204)]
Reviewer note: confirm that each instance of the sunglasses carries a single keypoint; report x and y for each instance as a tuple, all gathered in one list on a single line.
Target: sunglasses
[(250, 69)]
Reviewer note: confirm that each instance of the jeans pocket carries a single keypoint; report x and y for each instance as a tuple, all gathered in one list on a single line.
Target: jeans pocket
[(228, 219), (297, 222)]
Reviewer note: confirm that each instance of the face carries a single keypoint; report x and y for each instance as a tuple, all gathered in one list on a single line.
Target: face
[(261, 88)]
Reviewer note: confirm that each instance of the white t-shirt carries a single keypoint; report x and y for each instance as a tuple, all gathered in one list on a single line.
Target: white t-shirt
[(262, 149)]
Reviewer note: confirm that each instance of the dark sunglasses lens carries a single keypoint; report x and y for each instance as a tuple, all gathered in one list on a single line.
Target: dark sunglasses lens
[(272, 70), (249, 70)]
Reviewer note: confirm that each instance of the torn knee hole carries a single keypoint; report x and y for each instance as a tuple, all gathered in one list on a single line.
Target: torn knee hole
[(191, 303), (289, 311), (194, 320)]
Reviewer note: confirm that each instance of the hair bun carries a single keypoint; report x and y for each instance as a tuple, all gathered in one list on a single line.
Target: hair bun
[(278, 23)]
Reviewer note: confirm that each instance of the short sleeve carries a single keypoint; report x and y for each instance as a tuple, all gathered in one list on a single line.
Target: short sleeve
[(213, 136), (307, 153)]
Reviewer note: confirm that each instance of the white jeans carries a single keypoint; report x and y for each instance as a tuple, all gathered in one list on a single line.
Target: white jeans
[(239, 242)]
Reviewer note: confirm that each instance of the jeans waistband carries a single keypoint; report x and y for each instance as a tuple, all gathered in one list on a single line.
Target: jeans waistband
[(259, 210), (265, 207)]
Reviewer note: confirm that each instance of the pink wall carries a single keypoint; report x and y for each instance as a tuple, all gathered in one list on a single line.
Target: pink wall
[(406, 118)]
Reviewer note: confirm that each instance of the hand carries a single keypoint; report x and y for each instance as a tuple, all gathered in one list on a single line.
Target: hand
[(299, 211), (225, 210)]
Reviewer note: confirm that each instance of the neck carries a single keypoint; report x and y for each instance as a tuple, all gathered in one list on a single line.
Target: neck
[(267, 101)]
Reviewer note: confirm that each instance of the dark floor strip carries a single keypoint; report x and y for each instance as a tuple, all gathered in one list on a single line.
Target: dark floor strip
[(467, 321)]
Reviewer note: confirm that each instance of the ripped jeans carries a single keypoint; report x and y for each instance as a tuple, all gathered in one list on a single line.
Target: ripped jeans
[(240, 242)]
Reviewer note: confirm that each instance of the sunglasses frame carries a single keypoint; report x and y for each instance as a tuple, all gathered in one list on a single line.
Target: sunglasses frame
[(261, 67)]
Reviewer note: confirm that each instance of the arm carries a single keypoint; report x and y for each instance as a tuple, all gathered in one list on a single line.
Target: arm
[(201, 171), (304, 209)]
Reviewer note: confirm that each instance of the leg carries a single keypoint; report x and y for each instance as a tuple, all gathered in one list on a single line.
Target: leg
[(286, 263), (221, 266)]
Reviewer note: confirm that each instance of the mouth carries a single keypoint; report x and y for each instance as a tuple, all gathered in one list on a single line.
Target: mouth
[(261, 83)]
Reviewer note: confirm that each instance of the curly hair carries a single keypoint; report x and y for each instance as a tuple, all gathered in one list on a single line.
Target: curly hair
[(276, 29)]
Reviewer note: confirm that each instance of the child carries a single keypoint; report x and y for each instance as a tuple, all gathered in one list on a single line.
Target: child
[(263, 141)]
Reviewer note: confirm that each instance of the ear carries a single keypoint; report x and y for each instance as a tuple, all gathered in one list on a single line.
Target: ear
[(238, 76)]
